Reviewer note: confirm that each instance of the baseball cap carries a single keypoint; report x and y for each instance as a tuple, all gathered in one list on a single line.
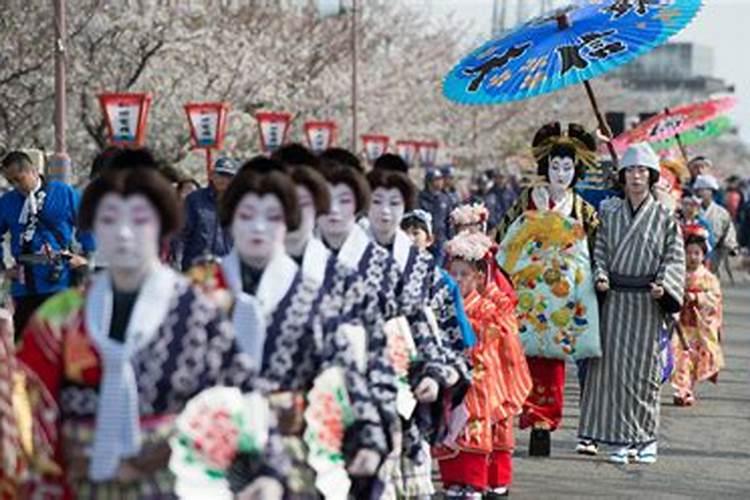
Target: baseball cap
[(226, 166)]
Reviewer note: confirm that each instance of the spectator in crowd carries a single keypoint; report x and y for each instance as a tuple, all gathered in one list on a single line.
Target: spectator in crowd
[(722, 226), (698, 166), (435, 202), (449, 185), (500, 196), (203, 236), (41, 219)]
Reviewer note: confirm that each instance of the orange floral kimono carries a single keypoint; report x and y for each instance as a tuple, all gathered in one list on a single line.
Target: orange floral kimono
[(700, 321), (500, 376)]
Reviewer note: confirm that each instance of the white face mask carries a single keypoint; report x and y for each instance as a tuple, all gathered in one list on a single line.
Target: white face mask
[(386, 211), (258, 227), (340, 220), (127, 232), (296, 240), (562, 170)]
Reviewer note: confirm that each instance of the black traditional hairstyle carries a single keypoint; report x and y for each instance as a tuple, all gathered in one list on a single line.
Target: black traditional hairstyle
[(261, 165), (391, 162), (336, 173), (653, 177), (136, 180), (314, 182), (697, 239), (276, 183), (391, 179), (127, 158), (343, 157), (550, 142), (102, 161), (294, 154)]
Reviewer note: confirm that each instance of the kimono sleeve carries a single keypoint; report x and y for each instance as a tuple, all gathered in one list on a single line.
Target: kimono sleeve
[(671, 273), (602, 251)]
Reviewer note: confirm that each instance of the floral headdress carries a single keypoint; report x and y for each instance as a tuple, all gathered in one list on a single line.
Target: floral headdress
[(475, 213), (473, 247)]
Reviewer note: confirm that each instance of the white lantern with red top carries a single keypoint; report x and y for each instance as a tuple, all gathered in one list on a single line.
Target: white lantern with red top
[(375, 146), (407, 150), (320, 135), (207, 122), (125, 115), (273, 127), (427, 151)]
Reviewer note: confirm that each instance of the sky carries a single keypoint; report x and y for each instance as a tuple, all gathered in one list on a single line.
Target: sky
[(721, 25)]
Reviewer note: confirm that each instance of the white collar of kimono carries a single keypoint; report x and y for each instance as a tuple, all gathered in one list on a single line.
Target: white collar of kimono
[(541, 198), (354, 247), (401, 248), (275, 282), (314, 261), (30, 203), (117, 431)]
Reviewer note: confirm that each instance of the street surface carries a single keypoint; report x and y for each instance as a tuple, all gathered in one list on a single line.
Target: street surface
[(704, 450)]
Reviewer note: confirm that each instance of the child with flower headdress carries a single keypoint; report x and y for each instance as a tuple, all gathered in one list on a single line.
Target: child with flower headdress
[(698, 353), (476, 460)]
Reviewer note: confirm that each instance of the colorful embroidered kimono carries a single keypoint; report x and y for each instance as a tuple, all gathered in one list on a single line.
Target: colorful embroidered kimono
[(700, 321), (620, 401), (83, 396), (481, 454), (557, 310)]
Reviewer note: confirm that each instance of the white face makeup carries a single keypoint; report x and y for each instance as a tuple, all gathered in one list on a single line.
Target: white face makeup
[(296, 240), (340, 220), (258, 228), (562, 170), (386, 211), (127, 232)]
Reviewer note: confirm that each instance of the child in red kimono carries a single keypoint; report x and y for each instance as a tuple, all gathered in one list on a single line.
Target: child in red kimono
[(478, 461)]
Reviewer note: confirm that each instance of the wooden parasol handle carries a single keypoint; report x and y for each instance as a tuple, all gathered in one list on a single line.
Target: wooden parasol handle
[(679, 140), (603, 125)]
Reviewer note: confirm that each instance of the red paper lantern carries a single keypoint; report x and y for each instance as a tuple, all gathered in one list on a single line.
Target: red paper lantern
[(427, 151), (375, 145), (320, 135), (208, 121), (273, 127), (407, 150), (125, 116)]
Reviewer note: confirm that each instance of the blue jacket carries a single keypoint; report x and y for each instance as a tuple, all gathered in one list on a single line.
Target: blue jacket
[(202, 234), (59, 214)]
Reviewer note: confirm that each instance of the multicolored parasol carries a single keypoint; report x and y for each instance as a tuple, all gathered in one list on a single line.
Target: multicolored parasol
[(674, 121), (565, 47), (699, 134)]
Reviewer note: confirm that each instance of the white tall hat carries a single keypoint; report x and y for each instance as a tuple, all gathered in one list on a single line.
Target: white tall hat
[(640, 155)]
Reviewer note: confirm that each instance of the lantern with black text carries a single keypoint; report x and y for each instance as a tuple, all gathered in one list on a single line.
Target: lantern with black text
[(273, 127), (375, 146), (427, 151), (320, 135), (407, 150), (125, 116), (207, 122)]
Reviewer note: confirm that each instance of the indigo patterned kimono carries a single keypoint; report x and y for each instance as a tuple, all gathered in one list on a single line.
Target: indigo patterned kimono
[(284, 329), (180, 344)]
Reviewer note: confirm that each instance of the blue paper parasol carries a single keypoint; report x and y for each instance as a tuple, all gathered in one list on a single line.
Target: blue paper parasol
[(568, 46)]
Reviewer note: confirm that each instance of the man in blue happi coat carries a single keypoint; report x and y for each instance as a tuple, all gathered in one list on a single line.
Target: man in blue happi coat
[(41, 219)]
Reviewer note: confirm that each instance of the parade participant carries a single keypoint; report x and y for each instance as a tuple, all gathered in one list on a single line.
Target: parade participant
[(561, 160), (700, 323), (479, 461), (639, 264), (278, 319), (203, 236), (41, 217), (722, 227), (108, 368), (447, 303), (392, 194), (690, 218)]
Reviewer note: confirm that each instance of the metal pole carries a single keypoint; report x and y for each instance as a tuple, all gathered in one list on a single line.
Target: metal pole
[(354, 76), (59, 165)]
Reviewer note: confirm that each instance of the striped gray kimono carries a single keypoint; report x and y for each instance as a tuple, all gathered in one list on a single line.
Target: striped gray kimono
[(620, 403)]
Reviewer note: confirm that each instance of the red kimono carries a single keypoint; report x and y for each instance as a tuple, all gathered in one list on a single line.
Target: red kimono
[(500, 384)]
